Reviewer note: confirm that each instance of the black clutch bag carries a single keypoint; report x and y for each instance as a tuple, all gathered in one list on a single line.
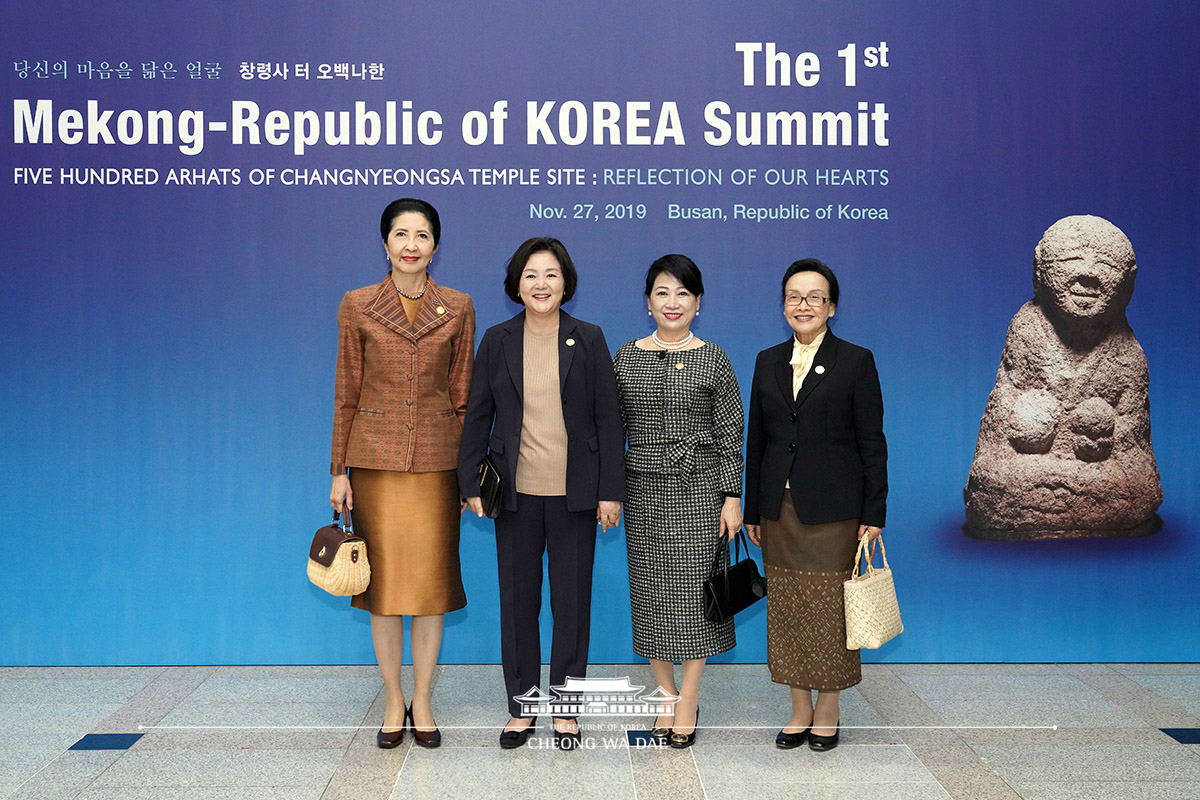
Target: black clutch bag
[(490, 487), (731, 588)]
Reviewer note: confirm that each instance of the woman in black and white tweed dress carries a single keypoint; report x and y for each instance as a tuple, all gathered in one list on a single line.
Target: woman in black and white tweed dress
[(683, 419)]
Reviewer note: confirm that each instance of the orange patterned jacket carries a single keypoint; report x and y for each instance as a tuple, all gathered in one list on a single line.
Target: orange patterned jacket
[(401, 390)]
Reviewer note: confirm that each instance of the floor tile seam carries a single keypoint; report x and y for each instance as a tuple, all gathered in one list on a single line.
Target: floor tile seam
[(99, 774), (949, 669), (931, 780), (1075, 781), (1164, 743), (403, 763), (1127, 700), (162, 692), (699, 777), (119, 704), (990, 776), (770, 745), (897, 681), (1183, 668), (161, 681), (632, 771), (329, 783), (979, 768), (278, 703), (114, 787), (39, 771), (346, 752)]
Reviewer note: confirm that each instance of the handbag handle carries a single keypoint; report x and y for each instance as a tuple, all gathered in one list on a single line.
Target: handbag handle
[(738, 540), (867, 545), (348, 528)]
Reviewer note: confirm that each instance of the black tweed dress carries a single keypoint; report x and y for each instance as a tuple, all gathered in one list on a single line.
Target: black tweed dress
[(684, 425)]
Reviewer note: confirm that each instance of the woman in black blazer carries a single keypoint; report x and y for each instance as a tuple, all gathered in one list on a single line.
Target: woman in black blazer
[(544, 403), (816, 483)]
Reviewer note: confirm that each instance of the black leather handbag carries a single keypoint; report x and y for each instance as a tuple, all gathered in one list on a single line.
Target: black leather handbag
[(731, 588), (490, 487)]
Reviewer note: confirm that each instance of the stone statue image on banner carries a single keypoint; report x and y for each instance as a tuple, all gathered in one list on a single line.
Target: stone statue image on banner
[(1064, 446)]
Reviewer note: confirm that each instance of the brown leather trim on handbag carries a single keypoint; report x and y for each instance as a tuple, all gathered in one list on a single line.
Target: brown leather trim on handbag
[(326, 542)]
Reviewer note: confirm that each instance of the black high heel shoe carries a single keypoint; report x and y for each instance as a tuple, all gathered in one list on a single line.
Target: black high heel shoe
[(786, 741), (682, 740), (430, 739), (386, 740), (823, 743), (511, 740), (660, 736)]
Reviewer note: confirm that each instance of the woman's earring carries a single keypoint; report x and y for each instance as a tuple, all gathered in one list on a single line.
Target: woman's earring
[(649, 313)]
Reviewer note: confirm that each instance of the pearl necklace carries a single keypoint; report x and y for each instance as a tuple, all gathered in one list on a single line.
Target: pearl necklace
[(682, 343), (416, 296)]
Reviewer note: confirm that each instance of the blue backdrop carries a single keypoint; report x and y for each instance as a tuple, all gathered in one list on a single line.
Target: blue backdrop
[(168, 349)]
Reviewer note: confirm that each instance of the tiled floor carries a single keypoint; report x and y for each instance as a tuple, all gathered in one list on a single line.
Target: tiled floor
[(972, 731)]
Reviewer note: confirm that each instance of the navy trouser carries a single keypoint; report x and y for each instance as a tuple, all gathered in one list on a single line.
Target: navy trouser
[(544, 525)]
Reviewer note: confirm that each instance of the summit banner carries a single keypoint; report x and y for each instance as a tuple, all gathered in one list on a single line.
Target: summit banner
[(188, 192)]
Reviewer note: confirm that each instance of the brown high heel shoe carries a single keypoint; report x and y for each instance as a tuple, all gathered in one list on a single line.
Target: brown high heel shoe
[(431, 738)]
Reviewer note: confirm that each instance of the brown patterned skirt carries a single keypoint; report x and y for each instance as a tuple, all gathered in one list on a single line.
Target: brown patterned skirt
[(410, 523), (806, 619)]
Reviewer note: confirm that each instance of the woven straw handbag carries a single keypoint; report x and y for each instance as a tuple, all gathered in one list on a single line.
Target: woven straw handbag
[(337, 560), (872, 613)]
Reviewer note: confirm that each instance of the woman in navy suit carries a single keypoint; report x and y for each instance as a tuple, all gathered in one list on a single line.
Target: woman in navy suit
[(544, 404), (816, 483)]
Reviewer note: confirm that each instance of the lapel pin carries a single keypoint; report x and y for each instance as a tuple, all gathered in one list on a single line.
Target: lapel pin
[(570, 342), (441, 310), (678, 365), (819, 369)]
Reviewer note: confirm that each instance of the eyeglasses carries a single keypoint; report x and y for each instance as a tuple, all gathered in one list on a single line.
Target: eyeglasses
[(814, 300)]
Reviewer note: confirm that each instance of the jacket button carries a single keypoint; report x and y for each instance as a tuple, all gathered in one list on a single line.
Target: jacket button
[(792, 417), (791, 447)]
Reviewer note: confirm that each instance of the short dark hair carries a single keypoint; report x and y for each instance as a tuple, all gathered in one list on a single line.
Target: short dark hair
[(405, 204), (813, 265), (539, 244), (681, 267)]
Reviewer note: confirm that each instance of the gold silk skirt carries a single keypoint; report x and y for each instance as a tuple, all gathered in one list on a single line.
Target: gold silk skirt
[(410, 523)]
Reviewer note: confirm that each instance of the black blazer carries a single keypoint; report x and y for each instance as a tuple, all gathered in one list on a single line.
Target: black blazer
[(828, 441), (591, 411)]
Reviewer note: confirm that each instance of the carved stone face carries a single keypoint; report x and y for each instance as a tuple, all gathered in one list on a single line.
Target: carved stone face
[(1084, 268)]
